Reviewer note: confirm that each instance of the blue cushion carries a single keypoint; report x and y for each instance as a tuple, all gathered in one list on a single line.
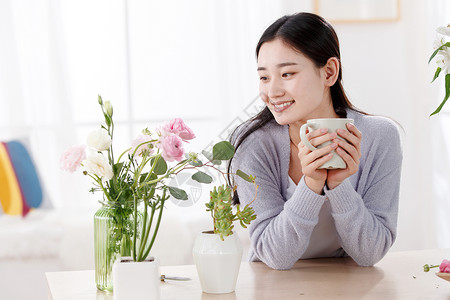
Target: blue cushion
[(21, 178)]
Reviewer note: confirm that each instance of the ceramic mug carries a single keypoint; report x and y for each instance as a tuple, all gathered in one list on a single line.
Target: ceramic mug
[(336, 162)]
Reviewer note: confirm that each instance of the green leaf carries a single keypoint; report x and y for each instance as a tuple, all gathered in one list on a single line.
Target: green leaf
[(182, 162), (178, 193), (438, 49), (147, 192), (117, 167), (223, 151), (447, 95), (143, 176), (447, 84), (108, 120), (202, 177), (244, 176), (436, 75), (124, 196), (196, 163), (209, 156), (161, 166)]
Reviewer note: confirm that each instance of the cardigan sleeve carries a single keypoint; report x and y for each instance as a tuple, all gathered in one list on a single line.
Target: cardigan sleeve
[(366, 217), (282, 229)]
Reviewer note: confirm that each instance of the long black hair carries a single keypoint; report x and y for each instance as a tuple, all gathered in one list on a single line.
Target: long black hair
[(315, 38)]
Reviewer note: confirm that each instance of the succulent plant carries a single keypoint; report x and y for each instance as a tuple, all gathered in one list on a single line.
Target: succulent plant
[(221, 207)]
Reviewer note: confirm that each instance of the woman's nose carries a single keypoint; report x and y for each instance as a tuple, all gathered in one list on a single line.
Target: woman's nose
[(275, 90)]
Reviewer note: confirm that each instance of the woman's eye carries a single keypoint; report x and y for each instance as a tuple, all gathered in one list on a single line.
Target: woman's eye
[(262, 78), (284, 75)]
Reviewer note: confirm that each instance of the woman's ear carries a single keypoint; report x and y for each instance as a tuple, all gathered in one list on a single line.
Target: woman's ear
[(331, 71)]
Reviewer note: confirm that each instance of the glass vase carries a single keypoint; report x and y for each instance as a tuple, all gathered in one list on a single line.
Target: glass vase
[(112, 239)]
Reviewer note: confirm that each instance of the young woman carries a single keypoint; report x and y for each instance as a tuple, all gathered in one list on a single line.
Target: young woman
[(303, 211)]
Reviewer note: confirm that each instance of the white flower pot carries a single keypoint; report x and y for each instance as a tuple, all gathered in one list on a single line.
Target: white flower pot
[(136, 280), (217, 261)]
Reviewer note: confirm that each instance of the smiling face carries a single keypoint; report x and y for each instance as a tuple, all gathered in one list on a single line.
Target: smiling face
[(292, 87)]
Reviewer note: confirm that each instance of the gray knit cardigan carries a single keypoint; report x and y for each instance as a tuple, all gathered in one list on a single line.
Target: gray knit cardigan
[(364, 206)]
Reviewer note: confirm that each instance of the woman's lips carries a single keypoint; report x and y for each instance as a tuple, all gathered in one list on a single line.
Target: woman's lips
[(281, 106)]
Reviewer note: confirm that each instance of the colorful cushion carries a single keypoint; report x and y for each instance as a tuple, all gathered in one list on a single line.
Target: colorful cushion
[(20, 187)]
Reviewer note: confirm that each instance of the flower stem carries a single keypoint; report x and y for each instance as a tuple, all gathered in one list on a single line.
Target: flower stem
[(144, 228), (139, 146), (158, 222), (144, 237), (139, 171), (427, 267), (122, 154), (170, 172), (99, 181), (157, 157), (135, 228)]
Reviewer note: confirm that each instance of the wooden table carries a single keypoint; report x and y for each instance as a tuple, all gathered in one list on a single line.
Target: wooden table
[(398, 276)]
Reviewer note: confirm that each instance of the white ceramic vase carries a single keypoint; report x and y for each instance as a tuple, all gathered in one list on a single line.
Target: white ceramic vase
[(217, 261), (136, 280)]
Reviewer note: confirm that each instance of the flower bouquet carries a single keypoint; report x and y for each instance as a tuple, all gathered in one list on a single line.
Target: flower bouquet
[(134, 186), (442, 55)]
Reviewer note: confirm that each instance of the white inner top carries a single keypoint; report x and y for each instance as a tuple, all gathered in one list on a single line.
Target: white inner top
[(324, 241)]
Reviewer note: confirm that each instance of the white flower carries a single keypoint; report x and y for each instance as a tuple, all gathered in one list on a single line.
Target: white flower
[(438, 42), (108, 108), (444, 30), (443, 60), (97, 164), (99, 139)]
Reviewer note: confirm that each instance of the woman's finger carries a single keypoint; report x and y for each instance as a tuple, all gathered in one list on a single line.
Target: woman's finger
[(308, 158), (353, 129), (352, 135), (349, 148), (315, 133), (322, 139), (320, 161), (352, 165)]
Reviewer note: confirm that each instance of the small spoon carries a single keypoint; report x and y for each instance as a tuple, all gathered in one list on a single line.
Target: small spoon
[(164, 278)]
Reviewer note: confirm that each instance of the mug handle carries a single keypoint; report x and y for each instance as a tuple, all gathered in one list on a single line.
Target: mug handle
[(304, 138)]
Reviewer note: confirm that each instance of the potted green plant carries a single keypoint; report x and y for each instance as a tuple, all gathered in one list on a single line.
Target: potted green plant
[(218, 253), (134, 189)]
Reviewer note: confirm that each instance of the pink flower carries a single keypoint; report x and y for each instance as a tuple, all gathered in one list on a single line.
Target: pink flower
[(172, 148), (177, 126), (444, 267), (142, 138), (71, 158)]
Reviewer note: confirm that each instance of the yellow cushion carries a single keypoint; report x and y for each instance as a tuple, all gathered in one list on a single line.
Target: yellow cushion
[(10, 195)]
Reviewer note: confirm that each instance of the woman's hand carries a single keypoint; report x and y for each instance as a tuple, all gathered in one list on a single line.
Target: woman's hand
[(311, 160), (350, 151)]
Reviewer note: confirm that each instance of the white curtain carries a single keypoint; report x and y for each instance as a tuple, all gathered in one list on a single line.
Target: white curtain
[(154, 60), (35, 102)]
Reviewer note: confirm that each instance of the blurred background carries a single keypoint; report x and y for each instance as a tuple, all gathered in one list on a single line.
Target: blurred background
[(157, 60)]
